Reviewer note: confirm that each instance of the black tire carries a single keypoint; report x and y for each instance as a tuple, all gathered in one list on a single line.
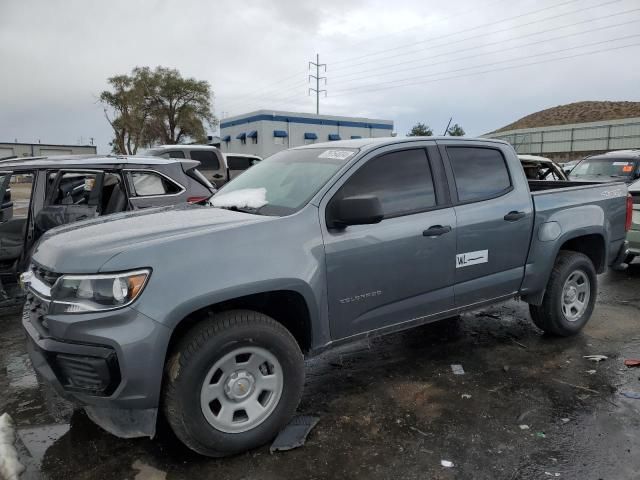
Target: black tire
[(549, 315), (193, 357)]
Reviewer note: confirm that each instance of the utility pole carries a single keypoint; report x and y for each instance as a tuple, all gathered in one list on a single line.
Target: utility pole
[(317, 76)]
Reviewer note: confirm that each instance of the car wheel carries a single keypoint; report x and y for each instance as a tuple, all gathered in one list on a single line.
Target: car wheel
[(232, 382), (570, 296)]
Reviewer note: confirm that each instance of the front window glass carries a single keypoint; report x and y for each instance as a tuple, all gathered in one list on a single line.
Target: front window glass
[(604, 167), (283, 183)]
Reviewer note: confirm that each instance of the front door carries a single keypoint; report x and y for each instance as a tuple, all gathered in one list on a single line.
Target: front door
[(402, 268)]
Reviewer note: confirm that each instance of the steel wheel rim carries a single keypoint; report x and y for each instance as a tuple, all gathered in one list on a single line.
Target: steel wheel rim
[(241, 389), (576, 293)]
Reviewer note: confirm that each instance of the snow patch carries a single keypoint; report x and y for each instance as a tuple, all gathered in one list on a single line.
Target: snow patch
[(10, 466), (245, 198)]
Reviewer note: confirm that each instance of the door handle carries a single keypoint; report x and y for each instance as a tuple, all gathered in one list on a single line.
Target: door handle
[(514, 216), (436, 231)]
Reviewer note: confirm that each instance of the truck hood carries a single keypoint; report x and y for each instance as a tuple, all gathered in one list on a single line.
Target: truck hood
[(83, 247)]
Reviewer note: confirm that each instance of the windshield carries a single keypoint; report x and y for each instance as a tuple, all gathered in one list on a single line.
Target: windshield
[(283, 183), (604, 167)]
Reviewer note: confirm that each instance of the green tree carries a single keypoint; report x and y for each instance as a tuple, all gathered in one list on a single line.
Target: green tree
[(455, 131), (180, 108), (156, 106), (125, 110), (420, 130)]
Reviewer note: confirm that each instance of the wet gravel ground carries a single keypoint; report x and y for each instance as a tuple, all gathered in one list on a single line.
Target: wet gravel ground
[(392, 407)]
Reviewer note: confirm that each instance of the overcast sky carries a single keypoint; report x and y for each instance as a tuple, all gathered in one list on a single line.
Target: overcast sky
[(405, 60)]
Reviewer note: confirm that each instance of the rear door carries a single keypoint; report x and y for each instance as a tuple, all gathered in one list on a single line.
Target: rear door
[(71, 196), (494, 213)]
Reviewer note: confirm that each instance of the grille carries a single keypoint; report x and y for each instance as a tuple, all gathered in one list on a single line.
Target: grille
[(35, 310)]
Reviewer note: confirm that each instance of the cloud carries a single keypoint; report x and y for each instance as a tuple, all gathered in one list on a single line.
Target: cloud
[(56, 57)]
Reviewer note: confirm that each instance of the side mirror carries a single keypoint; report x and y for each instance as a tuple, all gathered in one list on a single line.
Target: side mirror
[(357, 210)]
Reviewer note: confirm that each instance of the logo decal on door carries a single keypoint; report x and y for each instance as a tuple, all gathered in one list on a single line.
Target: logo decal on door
[(472, 258)]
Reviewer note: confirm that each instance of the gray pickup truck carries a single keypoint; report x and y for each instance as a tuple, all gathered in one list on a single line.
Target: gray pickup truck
[(206, 312)]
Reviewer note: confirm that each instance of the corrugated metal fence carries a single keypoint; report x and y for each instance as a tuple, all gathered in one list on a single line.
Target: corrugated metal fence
[(579, 137)]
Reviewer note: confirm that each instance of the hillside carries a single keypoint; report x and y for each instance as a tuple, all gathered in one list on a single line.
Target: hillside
[(578, 112)]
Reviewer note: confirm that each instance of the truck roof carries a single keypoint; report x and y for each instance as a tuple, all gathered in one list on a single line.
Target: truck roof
[(88, 161), (368, 143)]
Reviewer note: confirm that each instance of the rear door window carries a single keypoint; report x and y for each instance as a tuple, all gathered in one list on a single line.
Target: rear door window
[(208, 159), (479, 173), (75, 188), (146, 184)]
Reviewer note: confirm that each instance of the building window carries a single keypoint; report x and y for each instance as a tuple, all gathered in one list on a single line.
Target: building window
[(310, 137), (242, 137), (279, 136), (253, 135)]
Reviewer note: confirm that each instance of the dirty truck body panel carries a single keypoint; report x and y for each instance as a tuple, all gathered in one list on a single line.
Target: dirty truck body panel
[(467, 244)]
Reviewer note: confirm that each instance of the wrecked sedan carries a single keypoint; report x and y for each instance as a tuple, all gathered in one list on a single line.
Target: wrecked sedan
[(207, 312), (41, 193)]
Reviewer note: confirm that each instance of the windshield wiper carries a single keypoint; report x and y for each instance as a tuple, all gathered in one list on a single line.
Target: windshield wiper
[(233, 208)]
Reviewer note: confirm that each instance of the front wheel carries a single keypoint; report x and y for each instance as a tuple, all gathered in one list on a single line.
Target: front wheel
[(570, 296), (232, 383)]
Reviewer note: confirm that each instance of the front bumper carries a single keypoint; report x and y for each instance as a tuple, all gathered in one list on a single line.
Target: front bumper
[(109, 362)]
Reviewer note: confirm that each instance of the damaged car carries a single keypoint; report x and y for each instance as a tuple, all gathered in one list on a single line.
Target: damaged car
[(45, 192)]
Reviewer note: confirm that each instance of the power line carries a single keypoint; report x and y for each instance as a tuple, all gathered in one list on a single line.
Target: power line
[(457, 33), (386, 66), (516, 47), (345, 92), (317, 76)]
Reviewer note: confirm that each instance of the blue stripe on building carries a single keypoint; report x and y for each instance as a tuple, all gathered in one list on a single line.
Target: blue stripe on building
[(305, 120)]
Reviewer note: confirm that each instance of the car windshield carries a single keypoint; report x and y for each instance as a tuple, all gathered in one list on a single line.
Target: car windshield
[(283, 183), (604, 167)]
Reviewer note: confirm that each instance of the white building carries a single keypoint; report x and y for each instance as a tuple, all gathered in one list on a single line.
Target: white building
[(265, 132), (14, 149)]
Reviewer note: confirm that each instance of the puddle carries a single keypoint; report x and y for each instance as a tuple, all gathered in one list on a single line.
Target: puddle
[(20, 373), (37, 440)]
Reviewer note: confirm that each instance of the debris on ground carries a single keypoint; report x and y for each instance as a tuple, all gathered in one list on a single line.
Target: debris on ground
[(147, 472), (505, 368), (541, 435), (591, 372), (632, 362), (457, 369), (10, 466), (565, 420), (522, 345), (580, 387), (419, 431), (465, 396), (596, 358), (524, 414), (549, 474), (446, 463), (631, 394), (524, 427), (294, 434)]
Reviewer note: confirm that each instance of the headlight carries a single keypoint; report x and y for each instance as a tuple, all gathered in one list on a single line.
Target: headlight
[(93, 293)]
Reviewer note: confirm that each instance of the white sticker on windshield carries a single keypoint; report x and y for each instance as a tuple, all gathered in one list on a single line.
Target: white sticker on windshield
[(617, 164), (336, 154)]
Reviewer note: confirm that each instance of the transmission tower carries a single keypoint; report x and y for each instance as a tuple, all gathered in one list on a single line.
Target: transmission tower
[(317, 77)]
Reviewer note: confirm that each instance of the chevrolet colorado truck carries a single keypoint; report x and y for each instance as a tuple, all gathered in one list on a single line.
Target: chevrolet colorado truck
[(206, 312)]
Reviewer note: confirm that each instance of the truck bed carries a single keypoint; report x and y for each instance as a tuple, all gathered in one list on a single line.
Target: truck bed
[(542, 185)]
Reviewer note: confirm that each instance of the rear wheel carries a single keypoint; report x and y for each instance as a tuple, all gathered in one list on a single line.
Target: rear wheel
[(570, 296), (232, 383)]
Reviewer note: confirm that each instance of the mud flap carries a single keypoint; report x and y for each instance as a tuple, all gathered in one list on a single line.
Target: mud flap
[(125, 423)]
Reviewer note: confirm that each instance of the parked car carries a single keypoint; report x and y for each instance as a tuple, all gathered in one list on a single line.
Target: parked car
[(40, 193), (616, 166), (207, 311), (541, 168), (633, 236), (217, 166)]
